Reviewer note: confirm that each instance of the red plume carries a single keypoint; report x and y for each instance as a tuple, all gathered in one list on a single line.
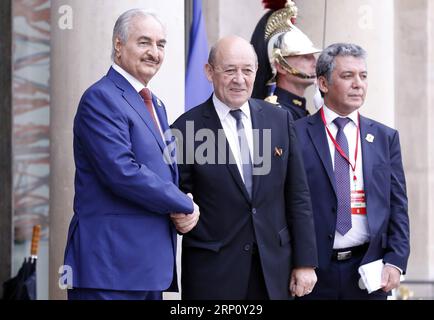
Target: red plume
[(273, 4)]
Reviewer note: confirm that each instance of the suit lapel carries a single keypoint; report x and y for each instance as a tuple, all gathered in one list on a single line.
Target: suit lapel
[(369, 153), (257, 123), (136, 102), (317, 134), (161, 114), (168, 137), (212, 122), (368, 148)]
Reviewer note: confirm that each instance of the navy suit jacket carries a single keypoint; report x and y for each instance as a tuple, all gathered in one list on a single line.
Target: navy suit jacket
[(216, 256), (384, 184), (121, 236)]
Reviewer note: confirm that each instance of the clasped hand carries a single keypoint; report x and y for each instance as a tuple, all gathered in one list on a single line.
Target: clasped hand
[(185, 222)]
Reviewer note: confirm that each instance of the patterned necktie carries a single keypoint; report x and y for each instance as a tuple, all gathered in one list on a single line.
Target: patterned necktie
[(342, 176), (147, 97), (246, 162)]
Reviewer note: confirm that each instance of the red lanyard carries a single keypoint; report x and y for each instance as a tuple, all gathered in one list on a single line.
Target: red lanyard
[(338, 147)]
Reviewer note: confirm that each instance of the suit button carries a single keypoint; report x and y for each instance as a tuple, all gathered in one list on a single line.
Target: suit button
[(247, 247), (254, 210), (330, 236), (334, 209)]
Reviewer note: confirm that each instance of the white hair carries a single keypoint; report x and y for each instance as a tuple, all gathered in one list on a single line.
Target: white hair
[(122, 24)]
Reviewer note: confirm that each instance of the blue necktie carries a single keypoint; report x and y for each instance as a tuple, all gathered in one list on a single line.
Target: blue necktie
[(246, 162), (342, 176)]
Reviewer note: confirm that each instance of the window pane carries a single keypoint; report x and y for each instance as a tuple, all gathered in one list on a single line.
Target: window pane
[(31, 103)]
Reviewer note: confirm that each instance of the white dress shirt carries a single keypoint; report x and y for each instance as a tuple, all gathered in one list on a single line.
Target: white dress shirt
[(138, 86), (359, 233), (229, 124)]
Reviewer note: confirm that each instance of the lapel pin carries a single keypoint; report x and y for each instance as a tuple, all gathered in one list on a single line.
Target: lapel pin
[(369, 137), (159, 103), (297, 102), (278, 152)]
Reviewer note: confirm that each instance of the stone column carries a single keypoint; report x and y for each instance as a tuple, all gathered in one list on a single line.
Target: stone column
[(226, 17), (414, 65), (81, 49)]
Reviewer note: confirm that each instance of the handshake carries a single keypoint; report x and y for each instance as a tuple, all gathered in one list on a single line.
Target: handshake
[(185, 222)]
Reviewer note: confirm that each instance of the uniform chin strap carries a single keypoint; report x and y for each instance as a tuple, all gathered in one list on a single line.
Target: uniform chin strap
[(297, 73)]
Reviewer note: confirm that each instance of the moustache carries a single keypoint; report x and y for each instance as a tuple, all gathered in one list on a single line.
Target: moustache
[(151, 60)]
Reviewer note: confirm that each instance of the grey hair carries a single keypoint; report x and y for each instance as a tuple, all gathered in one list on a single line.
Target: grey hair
[(121, 28), (326, 61), (213, 52)]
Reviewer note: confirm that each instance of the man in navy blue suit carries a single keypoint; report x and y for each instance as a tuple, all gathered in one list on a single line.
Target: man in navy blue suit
[(356, 180), (122, 240)]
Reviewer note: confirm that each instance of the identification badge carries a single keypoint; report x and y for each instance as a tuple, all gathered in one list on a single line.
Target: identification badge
[(358, 202)]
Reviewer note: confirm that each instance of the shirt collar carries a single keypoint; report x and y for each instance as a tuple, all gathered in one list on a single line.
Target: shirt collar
[(223, 110), (137, 85), (290, 98), (330, 115)]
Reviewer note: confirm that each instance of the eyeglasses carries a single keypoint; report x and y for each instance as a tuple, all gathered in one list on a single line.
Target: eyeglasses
[(231, 71)]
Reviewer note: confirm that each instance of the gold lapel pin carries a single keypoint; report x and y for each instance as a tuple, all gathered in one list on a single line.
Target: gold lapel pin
[(297, 102), (278, 152)]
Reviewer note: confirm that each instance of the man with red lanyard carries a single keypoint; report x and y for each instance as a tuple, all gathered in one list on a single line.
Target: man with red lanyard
[(356, 180)]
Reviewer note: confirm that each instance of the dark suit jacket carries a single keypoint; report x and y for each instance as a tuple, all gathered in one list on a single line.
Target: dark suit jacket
[(121, 236), (216, 254), (296, 105), (384, 184)]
